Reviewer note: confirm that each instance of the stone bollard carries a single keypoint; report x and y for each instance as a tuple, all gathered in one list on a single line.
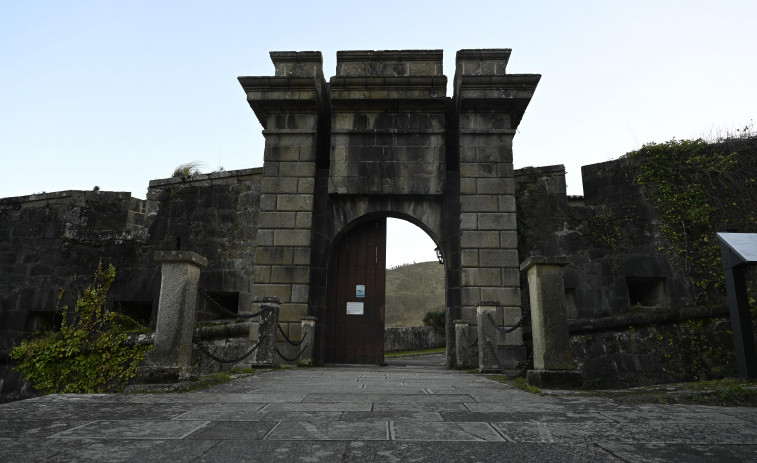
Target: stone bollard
[(169, 360), (466, 344), (307, 327), (553, 366), (267, 331), (487, 339)]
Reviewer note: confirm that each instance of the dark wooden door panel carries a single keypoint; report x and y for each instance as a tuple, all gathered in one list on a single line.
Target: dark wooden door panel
[(359, 259)]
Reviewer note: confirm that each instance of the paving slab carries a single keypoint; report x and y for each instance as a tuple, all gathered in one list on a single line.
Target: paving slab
[(413, 411)]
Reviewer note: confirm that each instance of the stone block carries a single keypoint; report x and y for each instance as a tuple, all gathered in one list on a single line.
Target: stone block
[(267, 202), (290, 274), (500, 258), (468, 314), (479, 203), (297, 169), (302, 255), (504, 296), (479, 239), (278, 185), (469, 258), (490, 186), (264, 237), (477, 169), (468, 186), (272, 255), (494, 154), (304, 220), (507, 203), (470, 296), (300, 293), (296, 202), (283, 153), (481, 277), (510, 277), (291, 238), (290, 139), (508, 239), (293, 312), (497, 221), (306, 185), (277, 220), (468, 221), (262, 274)]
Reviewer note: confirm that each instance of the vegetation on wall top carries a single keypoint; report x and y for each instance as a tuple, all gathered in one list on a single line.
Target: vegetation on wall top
[(698, 189)]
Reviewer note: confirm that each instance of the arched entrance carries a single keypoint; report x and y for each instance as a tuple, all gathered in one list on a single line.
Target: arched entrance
[(354, 328)]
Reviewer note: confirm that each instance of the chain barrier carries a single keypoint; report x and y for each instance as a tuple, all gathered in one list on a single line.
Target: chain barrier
[(517, 325), (296, 357), (196, 341), (520, 373), (521, 321), (295, 344), (263, 307)]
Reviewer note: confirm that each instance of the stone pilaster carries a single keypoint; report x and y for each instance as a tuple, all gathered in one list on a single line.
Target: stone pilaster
[(288, 105), (307, 328), (180, 273), (490, 104), (553, 366), (466, 343)]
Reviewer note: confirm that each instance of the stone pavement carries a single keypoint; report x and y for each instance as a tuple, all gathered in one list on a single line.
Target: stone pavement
[(412, 410)]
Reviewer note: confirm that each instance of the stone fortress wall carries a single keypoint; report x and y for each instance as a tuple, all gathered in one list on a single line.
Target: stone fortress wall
[(381, 138)]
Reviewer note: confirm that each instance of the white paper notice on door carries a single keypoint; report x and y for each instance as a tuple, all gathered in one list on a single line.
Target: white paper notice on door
[(354, 308)]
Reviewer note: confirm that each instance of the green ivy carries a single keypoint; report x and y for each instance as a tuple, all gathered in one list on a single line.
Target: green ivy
[(698, 189), (90, 354)]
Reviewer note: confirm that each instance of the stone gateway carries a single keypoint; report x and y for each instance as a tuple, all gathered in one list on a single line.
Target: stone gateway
[(383, 139)]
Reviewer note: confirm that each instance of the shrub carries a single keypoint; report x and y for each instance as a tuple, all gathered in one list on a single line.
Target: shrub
[(434, 319), (87, 355)]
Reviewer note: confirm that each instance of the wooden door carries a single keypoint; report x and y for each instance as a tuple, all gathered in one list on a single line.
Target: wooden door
[(355, 300)]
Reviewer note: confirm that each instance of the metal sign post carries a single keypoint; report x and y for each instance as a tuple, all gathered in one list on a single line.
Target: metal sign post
[(740, 250)]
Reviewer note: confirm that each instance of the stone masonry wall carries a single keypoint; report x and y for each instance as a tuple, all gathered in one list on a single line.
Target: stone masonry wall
[(53, 241)]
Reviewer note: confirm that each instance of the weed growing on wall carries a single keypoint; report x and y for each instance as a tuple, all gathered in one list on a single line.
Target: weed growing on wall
[(89, 354), (698, 189)]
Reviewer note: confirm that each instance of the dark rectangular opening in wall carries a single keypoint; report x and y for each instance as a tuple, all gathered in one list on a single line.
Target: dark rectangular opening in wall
[(43, 320), (570, 303), (646, 292), (209, 306), (140, 311)]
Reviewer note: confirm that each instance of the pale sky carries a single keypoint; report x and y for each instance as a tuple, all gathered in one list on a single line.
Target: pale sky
[(116, 93)]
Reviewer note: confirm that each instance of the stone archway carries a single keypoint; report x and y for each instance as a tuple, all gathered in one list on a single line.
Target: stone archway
[(383, 138)]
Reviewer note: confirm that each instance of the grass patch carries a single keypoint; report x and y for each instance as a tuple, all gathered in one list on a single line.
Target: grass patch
[(221, 377), (405, 353), (518, 383), (729, 392)]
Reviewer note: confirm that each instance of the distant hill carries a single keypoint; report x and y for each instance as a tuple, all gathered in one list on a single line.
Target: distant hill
[(411, 291)]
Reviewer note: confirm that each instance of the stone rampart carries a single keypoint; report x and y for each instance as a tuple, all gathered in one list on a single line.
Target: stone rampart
[(413, 338)]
